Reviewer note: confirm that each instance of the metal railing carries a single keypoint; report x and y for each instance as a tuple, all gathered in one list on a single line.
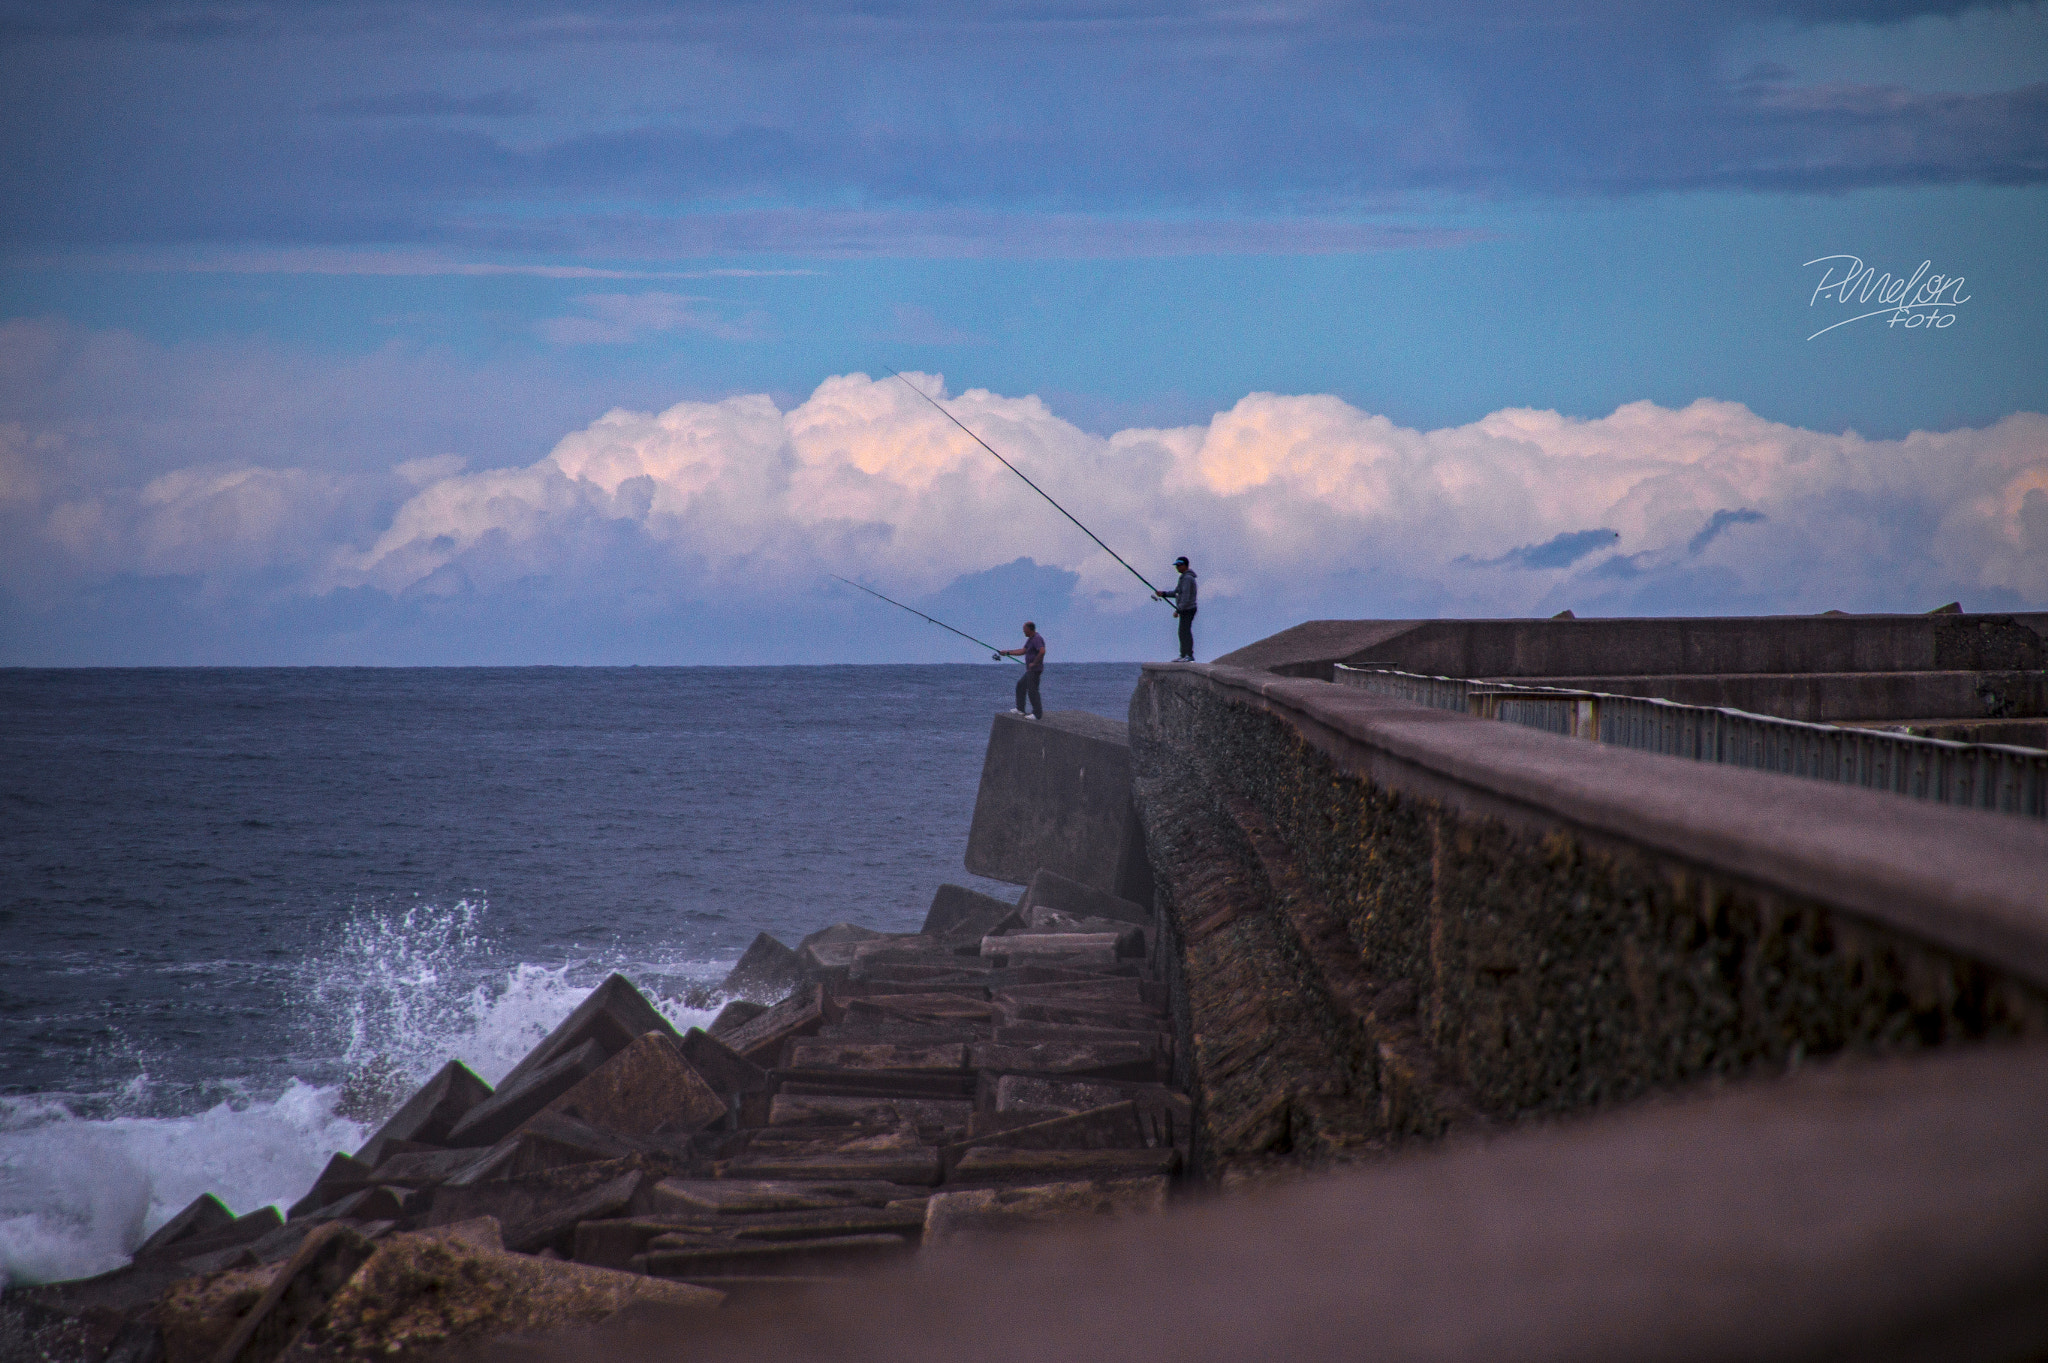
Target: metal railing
[(1993, 776)]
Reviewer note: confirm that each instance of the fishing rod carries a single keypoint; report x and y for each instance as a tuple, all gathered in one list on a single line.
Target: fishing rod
[(1028, 483), (922, 616)]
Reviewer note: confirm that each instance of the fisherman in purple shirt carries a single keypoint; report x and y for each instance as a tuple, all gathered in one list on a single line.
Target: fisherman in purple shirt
[(1033, 654)]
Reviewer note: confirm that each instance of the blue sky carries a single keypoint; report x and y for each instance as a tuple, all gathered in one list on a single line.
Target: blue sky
[(311, 317)]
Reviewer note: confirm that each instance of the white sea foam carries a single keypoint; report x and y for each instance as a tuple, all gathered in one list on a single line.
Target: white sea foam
[(77, 1196), (413, 988)]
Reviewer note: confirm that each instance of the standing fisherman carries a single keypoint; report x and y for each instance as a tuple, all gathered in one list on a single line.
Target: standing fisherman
[(1033, 654), (1182, 598)]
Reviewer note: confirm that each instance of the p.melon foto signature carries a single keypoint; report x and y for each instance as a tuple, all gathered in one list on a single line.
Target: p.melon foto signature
[(1925, 300)]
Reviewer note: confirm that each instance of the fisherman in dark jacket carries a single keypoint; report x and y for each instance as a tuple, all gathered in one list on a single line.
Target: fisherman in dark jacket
[(1183, 598)]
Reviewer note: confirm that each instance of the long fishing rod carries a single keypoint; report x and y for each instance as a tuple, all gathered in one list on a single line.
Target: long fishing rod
[(1033, 486), (922, 616)]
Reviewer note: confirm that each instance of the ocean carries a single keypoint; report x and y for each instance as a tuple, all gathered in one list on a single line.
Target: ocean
[(230, 898)]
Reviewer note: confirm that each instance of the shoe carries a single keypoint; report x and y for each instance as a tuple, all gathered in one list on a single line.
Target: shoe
[(1017, 712), (1038, 716)]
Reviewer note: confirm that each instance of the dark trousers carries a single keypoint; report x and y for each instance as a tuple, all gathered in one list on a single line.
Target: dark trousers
[(1187, 633), (1027, 689)]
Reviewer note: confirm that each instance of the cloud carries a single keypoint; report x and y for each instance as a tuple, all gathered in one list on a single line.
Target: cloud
[(946, 129), (705, 531)]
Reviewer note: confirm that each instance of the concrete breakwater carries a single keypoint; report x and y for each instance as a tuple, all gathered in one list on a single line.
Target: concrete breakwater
[(1501, 1045), (864, 1098), (1394, 922)]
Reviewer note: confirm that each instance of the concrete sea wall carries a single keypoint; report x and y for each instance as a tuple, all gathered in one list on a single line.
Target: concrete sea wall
[(1394, 923)]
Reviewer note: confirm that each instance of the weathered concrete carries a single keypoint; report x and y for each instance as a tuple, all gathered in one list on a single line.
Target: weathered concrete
[(526, 1091), (1051, 890), (420, 1294), (1635, 647), (1393, 921), (430, 1114), (764, 972), (957, 911), (612, 1016), (1056, 794), (647, 1088)]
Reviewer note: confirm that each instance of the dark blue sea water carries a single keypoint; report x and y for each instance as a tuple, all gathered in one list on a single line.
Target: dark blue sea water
[(224, 890)]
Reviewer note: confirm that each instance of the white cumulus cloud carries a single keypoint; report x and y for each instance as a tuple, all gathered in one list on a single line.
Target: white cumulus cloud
[(1291, 506), (866, 478)]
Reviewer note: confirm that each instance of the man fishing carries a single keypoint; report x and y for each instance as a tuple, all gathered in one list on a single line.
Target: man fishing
[(1033, 654), (1182, 599)]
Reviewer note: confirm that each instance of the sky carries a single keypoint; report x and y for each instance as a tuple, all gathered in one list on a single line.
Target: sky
[(510, 332)]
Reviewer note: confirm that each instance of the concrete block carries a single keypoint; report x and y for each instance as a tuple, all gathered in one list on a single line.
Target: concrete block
[(995, 1163), (957, 911), (833, 1252), (1114, 1127), (1096, 1060), (722, 1196), (724, 1068), (1071, 949), (914, 1009), (204, 1215), (828, 1110), (976, 1211), (916, 1166), (821, 1054), (734, 1015), (421, 1168), (1063, 894), (553, 1140), (765, 972), (647, 1088), (760, 1040), (613, 1015), (240, 1233), (518, 1099), (1130, 938), (538, 1209), (828, 955), (1014, 1091), (298, 1295), (364, 1205), (343, 1175), (1056, 793), (430, 1114), (420, 1294)]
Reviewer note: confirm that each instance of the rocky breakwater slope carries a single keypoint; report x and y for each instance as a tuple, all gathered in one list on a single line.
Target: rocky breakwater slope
[(866, 1096)]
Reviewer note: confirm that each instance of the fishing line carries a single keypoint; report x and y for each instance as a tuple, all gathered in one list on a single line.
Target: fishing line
[(922, 616), (1028, 483)]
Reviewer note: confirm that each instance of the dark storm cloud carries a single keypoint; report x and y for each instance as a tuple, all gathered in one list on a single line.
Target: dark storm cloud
[(359, 123)]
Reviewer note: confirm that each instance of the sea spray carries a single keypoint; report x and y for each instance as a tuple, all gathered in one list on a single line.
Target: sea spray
[(77, 1196), (400, 993)]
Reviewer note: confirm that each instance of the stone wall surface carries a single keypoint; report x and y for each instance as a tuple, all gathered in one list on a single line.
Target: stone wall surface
[(1394, 922)]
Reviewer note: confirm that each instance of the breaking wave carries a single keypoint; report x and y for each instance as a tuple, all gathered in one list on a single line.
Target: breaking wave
[(84, 1178)]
